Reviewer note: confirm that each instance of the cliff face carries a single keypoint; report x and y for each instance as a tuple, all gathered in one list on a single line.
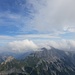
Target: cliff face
[(44, 62)]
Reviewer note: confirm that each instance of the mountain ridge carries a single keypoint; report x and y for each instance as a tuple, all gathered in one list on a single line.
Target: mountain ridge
[(44, 62)]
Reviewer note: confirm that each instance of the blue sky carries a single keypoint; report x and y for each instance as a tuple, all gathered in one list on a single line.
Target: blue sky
[(36, 20)]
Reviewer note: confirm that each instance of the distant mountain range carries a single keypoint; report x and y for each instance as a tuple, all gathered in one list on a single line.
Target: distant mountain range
[(43, 62)]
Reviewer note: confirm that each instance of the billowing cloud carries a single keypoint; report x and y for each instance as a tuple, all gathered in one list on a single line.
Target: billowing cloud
[(22, 46)]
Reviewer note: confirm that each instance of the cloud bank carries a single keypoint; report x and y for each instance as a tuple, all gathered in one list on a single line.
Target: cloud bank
[(62, 44), (22, 46), (28, 45)]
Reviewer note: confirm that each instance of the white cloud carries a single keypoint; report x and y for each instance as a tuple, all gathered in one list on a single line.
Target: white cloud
[(18, 42), (37, 36), (4, 39), (28, 45), (28, 36), (46, 16), (22, 46), (53, 15), (62, 44)]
